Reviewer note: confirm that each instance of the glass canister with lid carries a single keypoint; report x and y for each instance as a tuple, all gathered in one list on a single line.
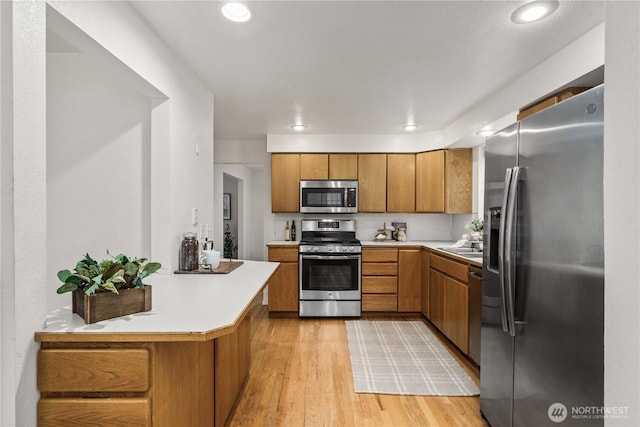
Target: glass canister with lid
[(189, 252)]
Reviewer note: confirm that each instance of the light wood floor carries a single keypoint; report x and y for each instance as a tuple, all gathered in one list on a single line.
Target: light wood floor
[(301, 376)]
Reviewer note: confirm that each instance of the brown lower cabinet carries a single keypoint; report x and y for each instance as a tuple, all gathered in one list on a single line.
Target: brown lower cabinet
[(449, 299), (283, 285), (170, 383), (409, 280), (394, 279), (380, 279)]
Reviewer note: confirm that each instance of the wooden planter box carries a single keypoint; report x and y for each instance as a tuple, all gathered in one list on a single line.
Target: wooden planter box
[(107, 305)]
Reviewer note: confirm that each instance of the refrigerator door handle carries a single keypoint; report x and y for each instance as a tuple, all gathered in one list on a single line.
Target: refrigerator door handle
[(510, 250), (501, 241)]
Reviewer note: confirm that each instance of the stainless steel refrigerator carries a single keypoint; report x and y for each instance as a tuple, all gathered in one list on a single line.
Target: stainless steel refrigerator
[(542, 340)]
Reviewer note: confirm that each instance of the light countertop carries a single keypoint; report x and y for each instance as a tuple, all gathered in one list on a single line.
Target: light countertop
[(434, 245), (185, 307)]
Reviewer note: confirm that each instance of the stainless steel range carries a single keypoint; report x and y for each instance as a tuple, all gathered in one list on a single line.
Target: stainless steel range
[(330, 265)]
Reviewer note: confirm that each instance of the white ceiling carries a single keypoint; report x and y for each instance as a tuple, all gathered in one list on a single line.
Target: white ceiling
[(358, 67)]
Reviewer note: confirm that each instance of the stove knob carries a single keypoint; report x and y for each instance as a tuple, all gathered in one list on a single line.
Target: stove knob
[(344, 249), (351, 248), (330, 248), (315, 249)]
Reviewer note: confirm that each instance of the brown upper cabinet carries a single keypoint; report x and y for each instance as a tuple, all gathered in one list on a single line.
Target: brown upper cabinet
[(343, 166), (430, 181), (285, 182), (444, 181), (401, 183), (434, 181), (314, 166), (372, 182), (548, 102), (328, 166), (458, 170)]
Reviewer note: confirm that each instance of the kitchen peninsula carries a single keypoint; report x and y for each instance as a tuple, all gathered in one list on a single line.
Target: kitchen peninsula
[(182, 363)]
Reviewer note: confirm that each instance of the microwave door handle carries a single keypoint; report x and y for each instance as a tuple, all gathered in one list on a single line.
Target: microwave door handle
[(510, 250), (501, 240)]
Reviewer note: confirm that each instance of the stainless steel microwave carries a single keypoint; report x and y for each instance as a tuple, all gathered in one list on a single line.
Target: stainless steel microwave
[(329, 196)]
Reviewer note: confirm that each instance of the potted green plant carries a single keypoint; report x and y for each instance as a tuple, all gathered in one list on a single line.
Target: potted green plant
[(475, 229), (110, 288)]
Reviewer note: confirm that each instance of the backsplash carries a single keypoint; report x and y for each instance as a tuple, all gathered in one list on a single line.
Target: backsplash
[(420, 227)]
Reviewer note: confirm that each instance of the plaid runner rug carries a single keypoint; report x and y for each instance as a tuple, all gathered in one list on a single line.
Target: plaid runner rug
[(400, 357)]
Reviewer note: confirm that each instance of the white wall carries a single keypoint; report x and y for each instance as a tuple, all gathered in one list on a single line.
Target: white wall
[(23, 211), (181, 178), (622, 210), (310, 143), (98, 166), (181, 165)]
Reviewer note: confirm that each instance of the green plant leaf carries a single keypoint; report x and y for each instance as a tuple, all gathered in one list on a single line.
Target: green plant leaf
[(111, 287), (117, 279), (66, 287), (88, 260), (137, 282), (131, 269), (151, 268), (78, 279), (90, 290), (63, 275), (97, 280)]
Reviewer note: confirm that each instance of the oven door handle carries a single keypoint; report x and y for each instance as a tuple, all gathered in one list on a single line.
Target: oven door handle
[(329, 257)]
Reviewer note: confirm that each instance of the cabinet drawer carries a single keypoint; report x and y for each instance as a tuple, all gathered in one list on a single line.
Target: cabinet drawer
[(379, 302), (379, 255), (283, 254), (64, 412), (379, 269), (379, 285), (95, 370), (455, 269)]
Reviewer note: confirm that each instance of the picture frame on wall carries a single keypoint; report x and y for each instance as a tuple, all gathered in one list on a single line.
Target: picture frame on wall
[(226, 206)]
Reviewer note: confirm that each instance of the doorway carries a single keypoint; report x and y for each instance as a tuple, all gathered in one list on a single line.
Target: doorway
[(231, 213)]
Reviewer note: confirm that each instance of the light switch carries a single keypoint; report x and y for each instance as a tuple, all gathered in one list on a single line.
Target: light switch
[(194, 216)]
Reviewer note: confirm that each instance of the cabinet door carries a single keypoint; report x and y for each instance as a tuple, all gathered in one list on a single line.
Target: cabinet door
[(456, 313), (372, 182), (283, 288), (285, 182), (436, 298), (314, 166), (401, 183), (458, 180), (424, 294), (409, 278), (343, 166), (430, 181)]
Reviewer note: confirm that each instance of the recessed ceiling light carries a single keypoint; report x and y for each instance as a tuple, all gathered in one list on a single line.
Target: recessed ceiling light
[(485, 132), (298, 127), (533, 11), (409, 127), (236, 12)]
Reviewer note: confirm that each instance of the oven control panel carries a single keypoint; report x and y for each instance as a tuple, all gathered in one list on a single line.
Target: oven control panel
[(336, 249)]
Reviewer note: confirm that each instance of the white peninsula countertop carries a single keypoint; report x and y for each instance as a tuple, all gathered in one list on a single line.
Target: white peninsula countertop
[(185, 307)]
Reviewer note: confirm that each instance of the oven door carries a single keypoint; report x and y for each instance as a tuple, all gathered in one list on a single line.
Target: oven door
[(330, 277)]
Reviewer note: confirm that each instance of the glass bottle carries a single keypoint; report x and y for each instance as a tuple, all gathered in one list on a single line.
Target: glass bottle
[(287, 232), (189, 252), (293, 230)]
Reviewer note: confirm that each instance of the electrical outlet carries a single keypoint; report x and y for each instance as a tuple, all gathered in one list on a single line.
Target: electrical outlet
[(194, 216)]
